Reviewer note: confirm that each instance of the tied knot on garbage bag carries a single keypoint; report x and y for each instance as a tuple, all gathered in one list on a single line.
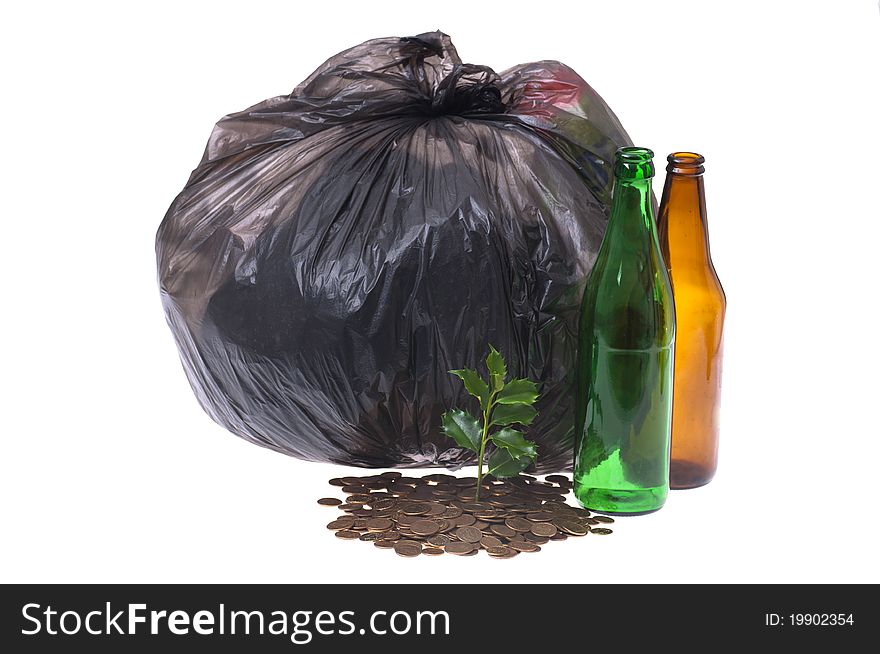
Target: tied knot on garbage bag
[(451, 87), (467, 90), (338, 249)]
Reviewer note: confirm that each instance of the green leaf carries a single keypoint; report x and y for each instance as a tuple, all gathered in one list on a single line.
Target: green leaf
[(513, 441), (518, 391), (509, 414), (497, 368), (502, 464), (474, 385), (463, 428)]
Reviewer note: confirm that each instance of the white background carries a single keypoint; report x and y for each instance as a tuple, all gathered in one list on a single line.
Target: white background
[(112, 473)]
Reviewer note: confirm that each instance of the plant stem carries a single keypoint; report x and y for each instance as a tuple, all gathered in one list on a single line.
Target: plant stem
[(483, 440), (487, 414)]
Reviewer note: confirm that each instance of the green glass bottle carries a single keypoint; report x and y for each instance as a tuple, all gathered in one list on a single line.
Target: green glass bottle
[(625, 355)]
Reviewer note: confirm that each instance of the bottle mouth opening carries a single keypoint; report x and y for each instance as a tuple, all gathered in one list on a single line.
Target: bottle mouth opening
[(634, 163), (686, 163), (633, 154)]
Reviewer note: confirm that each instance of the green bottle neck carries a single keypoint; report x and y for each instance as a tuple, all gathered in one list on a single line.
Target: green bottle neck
[(632, 212)]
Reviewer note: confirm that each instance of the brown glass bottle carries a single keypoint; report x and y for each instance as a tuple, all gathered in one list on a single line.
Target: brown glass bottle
[(699, 307)]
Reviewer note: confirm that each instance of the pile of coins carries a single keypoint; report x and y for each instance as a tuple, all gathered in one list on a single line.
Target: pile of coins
[(439, 514)]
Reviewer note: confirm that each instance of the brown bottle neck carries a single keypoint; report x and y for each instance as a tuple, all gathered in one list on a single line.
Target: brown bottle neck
[(682, 223)]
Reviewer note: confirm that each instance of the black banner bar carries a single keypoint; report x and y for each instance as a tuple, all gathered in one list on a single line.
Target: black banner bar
[(425, 617)]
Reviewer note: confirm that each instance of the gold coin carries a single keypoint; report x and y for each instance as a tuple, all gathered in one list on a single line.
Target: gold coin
[(379, 524), (490, 541), (355, 489), (349, 507), (476, 507), (523, 546), (432, 551), (486, 515), (557, 508), (540, 516), (391, 534), (341, 523), (443, 525), (347, 534), (384, 544), (497, 518), (502, 552), (544, 529), (570, 526), (415, 508), (407, 548), (371, 535), (439, 540), (462, 549), (468, 534), (464, 520), (518, 524), (502, 530), (424, 527)]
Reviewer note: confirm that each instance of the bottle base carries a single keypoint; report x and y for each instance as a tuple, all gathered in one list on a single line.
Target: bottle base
[(622, 502), (684, 475)]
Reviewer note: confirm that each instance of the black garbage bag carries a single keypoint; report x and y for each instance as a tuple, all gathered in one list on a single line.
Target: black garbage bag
[(339, 249)]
